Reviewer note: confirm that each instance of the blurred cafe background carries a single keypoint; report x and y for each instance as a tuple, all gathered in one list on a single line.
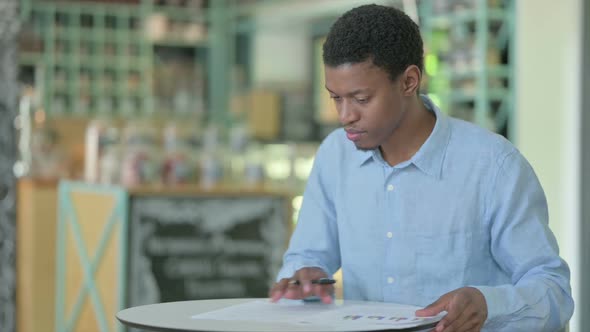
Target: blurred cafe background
[(157, 150)]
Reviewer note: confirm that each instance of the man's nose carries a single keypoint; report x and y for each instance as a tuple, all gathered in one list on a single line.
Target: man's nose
[(347, 113)]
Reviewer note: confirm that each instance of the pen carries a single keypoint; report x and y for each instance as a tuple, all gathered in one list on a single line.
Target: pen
[(321, 281)]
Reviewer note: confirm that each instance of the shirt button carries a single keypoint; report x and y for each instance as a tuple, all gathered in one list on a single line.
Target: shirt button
[(390, 280), (390, 187), (389, 235)]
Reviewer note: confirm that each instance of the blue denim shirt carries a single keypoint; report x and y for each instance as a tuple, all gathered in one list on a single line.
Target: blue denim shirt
[(465, 210)]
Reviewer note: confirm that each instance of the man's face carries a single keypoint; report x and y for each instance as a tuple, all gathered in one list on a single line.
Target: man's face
[(369, 104)]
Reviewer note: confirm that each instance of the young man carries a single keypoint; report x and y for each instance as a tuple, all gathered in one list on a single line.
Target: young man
[(417, 207)]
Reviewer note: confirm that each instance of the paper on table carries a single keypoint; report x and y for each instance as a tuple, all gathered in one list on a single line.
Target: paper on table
[(369, 315), (265, 311), (374, 315)]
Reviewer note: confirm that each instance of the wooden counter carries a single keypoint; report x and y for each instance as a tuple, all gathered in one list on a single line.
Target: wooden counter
[(123, 254), (36, 228), (121, 247)]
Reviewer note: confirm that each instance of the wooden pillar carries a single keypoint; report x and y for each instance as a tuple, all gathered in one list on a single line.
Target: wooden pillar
[(9, 24)]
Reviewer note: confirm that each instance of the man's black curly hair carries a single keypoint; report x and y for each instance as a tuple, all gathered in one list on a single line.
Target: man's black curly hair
[(385, 35)]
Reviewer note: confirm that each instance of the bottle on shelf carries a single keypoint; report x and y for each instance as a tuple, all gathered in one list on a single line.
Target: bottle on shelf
[(254, 173), (181, 143), (212, 155), (141, 157), (23, 126), (101, 135)]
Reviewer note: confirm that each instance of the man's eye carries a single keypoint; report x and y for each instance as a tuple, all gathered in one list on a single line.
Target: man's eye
[(362, 100), (335, 97)]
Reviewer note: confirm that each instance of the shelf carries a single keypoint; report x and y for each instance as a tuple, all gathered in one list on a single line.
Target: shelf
[(76, 34), (115, 63), (483, 33), (192, 14), (490, 72), (180, 43), (29, 59), (118, 92), (464, 97), (467, 16), (87, 8), (66, 61)]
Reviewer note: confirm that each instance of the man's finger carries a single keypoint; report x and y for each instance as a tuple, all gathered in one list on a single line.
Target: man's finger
[(294, 291), (324, 292), (307, 287), (474, 322), (305, 276), (300, 289), (456, 324), (434, 308), (459, 311), (278, 290)]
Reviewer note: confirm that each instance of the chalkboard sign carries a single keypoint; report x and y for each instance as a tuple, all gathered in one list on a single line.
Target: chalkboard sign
[(191, 248)]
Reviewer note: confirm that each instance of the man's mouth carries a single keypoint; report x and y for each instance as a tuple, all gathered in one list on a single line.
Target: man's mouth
[(354, 135)]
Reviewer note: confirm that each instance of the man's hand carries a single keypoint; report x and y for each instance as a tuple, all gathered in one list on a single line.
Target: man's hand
[(466, 309), (305, 288)]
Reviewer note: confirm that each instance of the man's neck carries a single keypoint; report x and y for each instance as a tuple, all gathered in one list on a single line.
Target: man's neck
[(413, 131)]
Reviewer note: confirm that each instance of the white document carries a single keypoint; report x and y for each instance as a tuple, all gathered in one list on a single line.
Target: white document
[(366, 314)]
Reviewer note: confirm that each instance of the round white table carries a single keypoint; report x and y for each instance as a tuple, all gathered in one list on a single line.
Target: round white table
[(176, 317)]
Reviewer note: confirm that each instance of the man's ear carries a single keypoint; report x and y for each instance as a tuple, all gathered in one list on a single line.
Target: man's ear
[(411, 79)]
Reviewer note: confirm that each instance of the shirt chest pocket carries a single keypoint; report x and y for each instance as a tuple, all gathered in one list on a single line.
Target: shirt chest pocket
[(444, 261)]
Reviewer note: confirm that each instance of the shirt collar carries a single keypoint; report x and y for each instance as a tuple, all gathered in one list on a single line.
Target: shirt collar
[(366, 155), (429, 158)]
